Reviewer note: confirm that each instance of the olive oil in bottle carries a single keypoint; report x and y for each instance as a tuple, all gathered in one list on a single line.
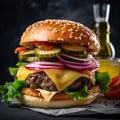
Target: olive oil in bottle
[(102, 30)]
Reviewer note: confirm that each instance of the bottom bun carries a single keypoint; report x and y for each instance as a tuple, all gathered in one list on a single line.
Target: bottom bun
[(65, 103)]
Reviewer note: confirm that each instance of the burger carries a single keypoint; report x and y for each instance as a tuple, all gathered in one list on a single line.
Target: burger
[(56, 68)]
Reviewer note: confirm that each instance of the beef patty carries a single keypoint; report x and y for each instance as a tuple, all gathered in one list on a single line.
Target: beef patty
[(42, 80)]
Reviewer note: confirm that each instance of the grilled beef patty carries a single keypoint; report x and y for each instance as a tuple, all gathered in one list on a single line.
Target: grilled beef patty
[(42, 80)]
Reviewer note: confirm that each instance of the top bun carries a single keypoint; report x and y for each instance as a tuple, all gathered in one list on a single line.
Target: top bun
[(60, 31)]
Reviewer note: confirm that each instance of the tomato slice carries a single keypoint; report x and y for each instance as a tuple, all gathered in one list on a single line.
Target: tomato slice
[(115, 82), (20, 49), (113, 94)]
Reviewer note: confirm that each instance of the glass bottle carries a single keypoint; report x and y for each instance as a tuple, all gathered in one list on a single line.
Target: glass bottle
[(102, 30)]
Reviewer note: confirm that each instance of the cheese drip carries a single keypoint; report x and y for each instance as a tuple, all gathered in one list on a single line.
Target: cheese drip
[(47, 95)]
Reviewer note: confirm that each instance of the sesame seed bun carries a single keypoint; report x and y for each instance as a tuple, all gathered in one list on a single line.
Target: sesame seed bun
[(33, 98), (60, 31)]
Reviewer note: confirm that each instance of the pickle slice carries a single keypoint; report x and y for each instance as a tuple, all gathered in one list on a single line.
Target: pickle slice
[(23, 55), (47, 53), (35, 59), (73, 48)]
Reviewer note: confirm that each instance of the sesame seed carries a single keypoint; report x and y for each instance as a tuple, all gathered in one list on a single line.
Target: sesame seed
[(81, 34), (28, 28), (61, 25), (51, 22), (79, 37), (62, 28), (55, 30), (70, 36), (28, 38), (70, 29), (84, 35), (68, 24), (57, 22), (64, 25), (49, 29), (46, 21), (34, 26), (39, 94), (74, 26), (88, 43), (75, 38), (31, 31), (80, 24), (76, 30), (40, 23), (58, 38), (37, 24), (61, 39), (71, 32)]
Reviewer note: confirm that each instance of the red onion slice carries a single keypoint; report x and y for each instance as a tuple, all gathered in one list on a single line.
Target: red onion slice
[(74, 63), (37, 67), (92, 66), (48, 63), (44, 65), (77, 59)]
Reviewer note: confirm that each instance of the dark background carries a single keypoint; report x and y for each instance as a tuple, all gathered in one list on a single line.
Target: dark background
[(16, 15)]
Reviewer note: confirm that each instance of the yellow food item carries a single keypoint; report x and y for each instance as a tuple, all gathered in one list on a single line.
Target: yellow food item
[(22, 73), (61, 78), (112, 66), (47, 95)]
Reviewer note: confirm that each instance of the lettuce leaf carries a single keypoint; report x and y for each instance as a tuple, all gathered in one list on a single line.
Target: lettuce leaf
[(77, 95), (13, 71), (11, 90), (103, 79)]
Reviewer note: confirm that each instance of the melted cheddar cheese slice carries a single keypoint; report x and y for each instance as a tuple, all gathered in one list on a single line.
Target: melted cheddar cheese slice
[(62, 78), (47, 95), (22, 73)]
